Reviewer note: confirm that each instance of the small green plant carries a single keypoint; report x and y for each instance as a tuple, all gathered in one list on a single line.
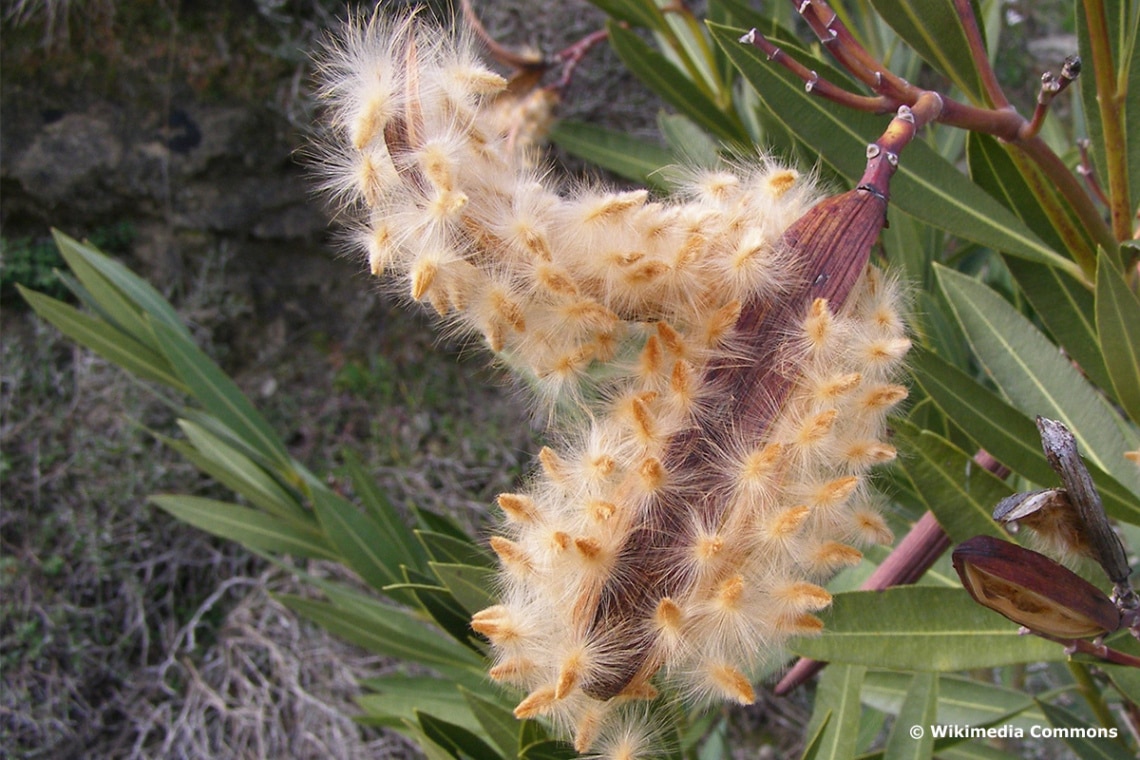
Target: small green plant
[(30, 263)]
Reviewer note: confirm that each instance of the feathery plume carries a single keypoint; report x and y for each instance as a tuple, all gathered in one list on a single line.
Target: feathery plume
[(716, 369)]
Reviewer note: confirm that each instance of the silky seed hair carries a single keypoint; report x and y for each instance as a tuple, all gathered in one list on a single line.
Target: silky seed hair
[(710, 438)]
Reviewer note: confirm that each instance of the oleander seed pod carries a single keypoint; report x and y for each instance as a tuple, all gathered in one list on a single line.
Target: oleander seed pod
[(716, 370)]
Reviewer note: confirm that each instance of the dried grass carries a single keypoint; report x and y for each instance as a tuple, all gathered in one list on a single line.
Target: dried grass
[(269, 686)]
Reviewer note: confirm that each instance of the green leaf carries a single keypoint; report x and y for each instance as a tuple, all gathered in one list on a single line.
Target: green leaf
[(689, 143), (412, 732), (471, 586), (935, 30), (137, 290), (672, 84), (1085, 748), (1125, 679), (237, 471), (438, 602), (394, 635), (1124, 43), (397, 696), (1130, 82), (246, 526), (219, 394), (434, 522), (1007, 434), (926, 186), (837, 709), (1034, 376), (498, 723), (961, 701), (406, 623), (905, 249), (630, 157), (110, 302), (918, 709), (815, 734), (397, 538), (920, 628), (1063, 303), (547, 749), (1023, 188), (973, 751), (457, 740), (960, 493), (1118, 326), (442, 547), (1067, 309), (357, 539), (641, 13), (103, 339), (742, 14)]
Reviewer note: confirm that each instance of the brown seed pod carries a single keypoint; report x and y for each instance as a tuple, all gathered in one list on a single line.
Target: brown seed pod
[(1032, 590)]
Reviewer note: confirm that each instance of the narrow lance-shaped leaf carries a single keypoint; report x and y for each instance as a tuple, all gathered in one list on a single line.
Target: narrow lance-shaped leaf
[(219, 394), (246, 526), (1035, 377), (1118, 326), (926, 185), (921, 628), (920, 708), (422, 645), (935, 30), (113, 304), (1067, 309), (961, 701), (959, 492), (442, 547), (138, 290), (1083, 738), (689, 143), (471, 586), (457, 740), (440, 605), (837, 702), (497, 721), (390, 699), (630, 157), (103, 339), (359, 542), (1006, 433), (1063, 303), (674, 86), (398, 538), (643, 13), (243, 475)]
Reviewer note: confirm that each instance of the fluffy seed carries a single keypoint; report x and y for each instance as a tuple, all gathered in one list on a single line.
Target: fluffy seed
[(732, 683), (536, 703), (518, 508)]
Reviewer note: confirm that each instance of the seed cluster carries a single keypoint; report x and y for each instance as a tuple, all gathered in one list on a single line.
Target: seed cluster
[(711, 425)]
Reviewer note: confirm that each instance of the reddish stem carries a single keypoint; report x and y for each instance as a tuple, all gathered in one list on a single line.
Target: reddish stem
[(501, 54), (977, 45), (571, 56), (821, 87), (839, 41)]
